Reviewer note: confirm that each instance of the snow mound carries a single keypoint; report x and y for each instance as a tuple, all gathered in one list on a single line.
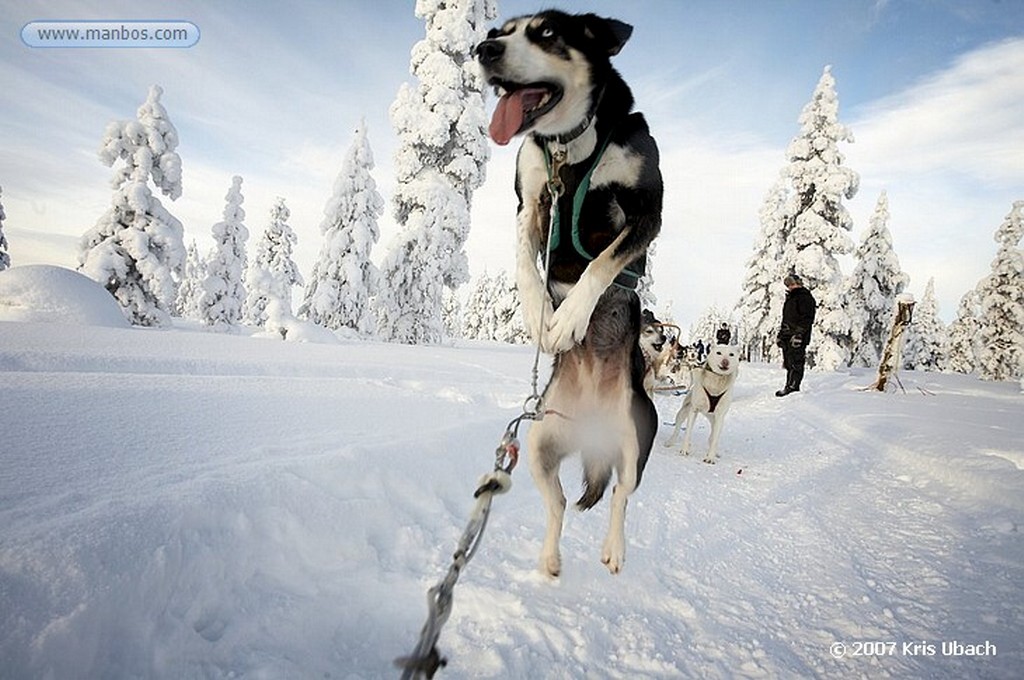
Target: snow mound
[(282, 325), (45, 293)]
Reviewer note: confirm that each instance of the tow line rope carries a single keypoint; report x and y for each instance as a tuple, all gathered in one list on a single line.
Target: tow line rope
[(426, 660)]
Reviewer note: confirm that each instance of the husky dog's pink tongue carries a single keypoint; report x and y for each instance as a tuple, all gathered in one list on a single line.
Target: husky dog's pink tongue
[(511, 112)]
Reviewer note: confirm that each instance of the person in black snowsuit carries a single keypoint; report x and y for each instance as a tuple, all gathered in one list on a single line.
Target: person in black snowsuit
[(724, 335), (795, 332)]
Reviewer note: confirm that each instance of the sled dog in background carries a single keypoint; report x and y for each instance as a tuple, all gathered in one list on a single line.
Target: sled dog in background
[(585, 152), (711, 393), (676, 363), (652, 345), (671, 368)]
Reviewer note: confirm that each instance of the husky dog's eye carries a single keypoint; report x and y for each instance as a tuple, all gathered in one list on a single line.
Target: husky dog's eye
[(546, 30)]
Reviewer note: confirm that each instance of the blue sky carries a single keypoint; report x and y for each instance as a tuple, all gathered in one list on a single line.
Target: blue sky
[(933, 90)]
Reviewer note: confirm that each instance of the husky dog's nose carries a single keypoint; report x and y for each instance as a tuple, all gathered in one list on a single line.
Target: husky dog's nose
[(489, 51)]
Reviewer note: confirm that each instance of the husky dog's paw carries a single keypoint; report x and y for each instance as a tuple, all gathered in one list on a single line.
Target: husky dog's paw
[(569, 323), (709, 459), (613, 555), (534, 302), (550, 565)]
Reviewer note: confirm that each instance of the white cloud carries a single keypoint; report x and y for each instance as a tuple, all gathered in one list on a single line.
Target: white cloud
[(948, 151), (965, 120)]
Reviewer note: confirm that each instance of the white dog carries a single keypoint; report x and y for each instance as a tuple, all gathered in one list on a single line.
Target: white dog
[(711, 392)]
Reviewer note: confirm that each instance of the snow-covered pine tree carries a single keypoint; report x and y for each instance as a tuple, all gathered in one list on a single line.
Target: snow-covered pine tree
[(137, 248), (1001, 295), (272, 273), (191, 288), (442, 131), (344, 279), (492, 310), (817, 222), (927, 340), (508, 322), (760, 306), (451, 314), (876, 281), (963, 335), (477, 309), (223, 294), (5, 257)]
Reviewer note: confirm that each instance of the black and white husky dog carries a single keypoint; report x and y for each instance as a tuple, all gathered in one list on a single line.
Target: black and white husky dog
[(585, 151)]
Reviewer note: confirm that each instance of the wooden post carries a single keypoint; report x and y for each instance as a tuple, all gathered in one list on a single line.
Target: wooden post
[(891, 356)]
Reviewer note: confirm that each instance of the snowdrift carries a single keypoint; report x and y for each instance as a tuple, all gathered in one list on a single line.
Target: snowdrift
[(45, 293)]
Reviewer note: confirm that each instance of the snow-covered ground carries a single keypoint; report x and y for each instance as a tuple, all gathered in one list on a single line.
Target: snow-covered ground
[(185, 504)]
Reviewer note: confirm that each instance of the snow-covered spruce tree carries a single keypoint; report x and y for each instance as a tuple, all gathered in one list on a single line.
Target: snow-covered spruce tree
[(876, 281), (5, 257), (760, 306), (451, 314), (508, 322), (963, 335), (817, 223), (137, 249), (344, 279), (492, 310), (477, 311), (927, 340), (1001, 295), (191, 288), (442, 132), (223, 294), (272, 273)]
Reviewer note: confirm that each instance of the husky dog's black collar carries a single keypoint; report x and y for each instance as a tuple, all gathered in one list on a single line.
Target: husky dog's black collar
[(569, 136), (575, 133)]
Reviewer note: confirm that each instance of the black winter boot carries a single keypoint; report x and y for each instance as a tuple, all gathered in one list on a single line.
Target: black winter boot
[(790, 377), (798, 377)]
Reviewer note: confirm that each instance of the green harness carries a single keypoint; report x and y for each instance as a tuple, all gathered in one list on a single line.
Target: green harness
[(628, 277)]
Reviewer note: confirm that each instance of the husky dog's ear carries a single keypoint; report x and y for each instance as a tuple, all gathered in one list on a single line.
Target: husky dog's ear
[(609, 34)]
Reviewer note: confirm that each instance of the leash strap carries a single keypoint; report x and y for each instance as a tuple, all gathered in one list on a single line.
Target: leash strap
[(426, 660)]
